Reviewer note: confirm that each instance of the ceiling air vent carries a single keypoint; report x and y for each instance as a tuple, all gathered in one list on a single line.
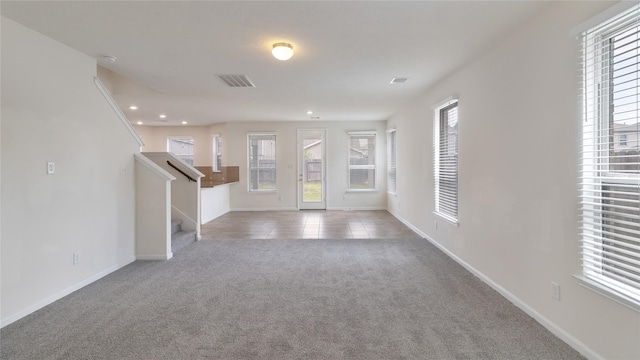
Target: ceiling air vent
[(235, 80), (398, 80)]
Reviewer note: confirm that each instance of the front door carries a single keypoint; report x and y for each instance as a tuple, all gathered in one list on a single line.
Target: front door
[(311, 169)]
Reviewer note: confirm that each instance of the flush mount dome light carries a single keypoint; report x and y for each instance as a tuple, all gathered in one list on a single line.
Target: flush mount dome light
[(282, 51), (109, 58)]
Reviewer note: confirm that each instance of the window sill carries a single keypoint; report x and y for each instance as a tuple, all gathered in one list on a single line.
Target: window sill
[(448, 219), (362, 191), (262, 192), (609, 293)]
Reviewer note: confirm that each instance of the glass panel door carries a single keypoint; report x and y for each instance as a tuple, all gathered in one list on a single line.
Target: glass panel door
[(311, 169)]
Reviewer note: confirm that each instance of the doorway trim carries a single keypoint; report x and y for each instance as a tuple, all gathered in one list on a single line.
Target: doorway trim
[(322, 135)]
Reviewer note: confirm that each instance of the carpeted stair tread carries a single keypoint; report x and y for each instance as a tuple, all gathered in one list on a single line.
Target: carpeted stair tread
[(181, 239), (176, 225)]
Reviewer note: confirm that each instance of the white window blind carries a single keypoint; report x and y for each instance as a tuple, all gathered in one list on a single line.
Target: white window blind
[(362, 160), (217, 153), (446, 160), (391, 161), (262, 162), (610, 157)]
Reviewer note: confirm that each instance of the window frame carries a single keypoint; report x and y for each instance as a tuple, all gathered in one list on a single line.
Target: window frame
[(599, 220), (274, 167), (438, 167), (216, 147), (392, 161), (623, 139), (181, 156), (374, 166)]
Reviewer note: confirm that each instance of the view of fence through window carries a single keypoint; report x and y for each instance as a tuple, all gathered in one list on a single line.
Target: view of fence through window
[(262, 162), (312, 172), (362, 161)]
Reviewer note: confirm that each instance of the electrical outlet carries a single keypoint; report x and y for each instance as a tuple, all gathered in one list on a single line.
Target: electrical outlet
[(76, 258), (51, 168), (555, 291)]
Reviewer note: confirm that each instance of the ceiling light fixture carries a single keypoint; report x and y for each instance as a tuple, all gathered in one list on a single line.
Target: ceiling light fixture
[(309, 112), (398, 80), (139, 123), (282, 51), (109, 58), (133, 107), (184, 123), (163, 116)]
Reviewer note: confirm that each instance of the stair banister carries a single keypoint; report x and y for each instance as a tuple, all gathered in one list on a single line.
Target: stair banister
[(181, 172)]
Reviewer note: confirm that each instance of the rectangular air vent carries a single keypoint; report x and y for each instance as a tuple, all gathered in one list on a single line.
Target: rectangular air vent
[(235, 80)]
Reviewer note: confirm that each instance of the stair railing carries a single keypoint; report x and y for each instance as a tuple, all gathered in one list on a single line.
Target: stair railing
[(180, 171)]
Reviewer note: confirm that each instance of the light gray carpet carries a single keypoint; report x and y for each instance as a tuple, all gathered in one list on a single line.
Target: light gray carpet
[(286, 299)]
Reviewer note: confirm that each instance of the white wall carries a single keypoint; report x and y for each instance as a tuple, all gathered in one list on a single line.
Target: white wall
[(52, 111), (155, 139), (153, 210), (234, 143), (215, 202), (287, 175), (518, 125)]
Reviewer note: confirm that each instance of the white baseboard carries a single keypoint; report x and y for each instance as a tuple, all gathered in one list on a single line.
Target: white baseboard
[(154, 257), (332, 208), (548, 324), (266, 209), (355, 208), (60, 294)]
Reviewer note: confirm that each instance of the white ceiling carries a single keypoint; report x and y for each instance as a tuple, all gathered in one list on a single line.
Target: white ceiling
[(346, 53)]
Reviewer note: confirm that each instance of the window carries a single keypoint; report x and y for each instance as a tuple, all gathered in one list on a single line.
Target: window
[(610, 176), (262, 162), (217, 153), (182, 147), (362, 160), (391, 161), (445, 144), (623, 139)]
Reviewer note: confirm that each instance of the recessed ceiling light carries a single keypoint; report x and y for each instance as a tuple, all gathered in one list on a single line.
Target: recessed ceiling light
[(184, 123), (309, 112), (282, 51), (139, 123), (133, 107), (162, 116), (109, 58)]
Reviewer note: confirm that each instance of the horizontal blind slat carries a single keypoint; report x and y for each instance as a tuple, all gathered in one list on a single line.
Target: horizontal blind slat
[(609, 178)]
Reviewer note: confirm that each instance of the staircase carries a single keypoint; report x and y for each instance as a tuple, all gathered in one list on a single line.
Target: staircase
[(180, 238)]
